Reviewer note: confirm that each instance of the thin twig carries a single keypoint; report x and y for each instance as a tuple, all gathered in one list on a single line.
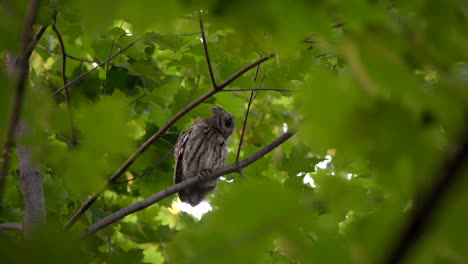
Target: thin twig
[(241, 140), (67, 55), (148, 170), (256, 73), (259, 89), (64, 79), (183, 185), (15, 112), (108, 63), (425, 210), (207, 56), (154, 137), (138, 98), (82, 76), (197, 83)]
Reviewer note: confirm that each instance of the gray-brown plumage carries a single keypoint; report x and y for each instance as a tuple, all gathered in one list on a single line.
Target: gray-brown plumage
[(201, 150)]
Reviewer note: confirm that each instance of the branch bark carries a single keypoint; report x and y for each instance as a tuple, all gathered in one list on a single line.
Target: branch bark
[(424, 210), (31, 185), (11, 226), (74, 141), (236, 167), (23, 70)]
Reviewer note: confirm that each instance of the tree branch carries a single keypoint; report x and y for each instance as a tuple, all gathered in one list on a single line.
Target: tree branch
[(67, 55), (154, 137), (11, 226), (31, 186), (259, 89), (424, 210), (207, 56), (15, 112), (252, 97), (244, 70), (238, 166), (35, 40), (108, 63), (241, 140), (82, 76), (74, 141)]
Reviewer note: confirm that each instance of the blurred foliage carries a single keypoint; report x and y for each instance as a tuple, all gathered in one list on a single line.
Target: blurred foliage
[(381, 98)]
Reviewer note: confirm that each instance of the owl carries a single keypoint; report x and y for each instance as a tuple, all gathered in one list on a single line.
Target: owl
[(201, 150)]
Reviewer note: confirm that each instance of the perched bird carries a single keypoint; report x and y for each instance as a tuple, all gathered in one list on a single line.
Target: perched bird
[(201, 150)]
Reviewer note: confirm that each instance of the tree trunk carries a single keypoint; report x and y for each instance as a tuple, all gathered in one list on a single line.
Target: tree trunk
[(30, 176)]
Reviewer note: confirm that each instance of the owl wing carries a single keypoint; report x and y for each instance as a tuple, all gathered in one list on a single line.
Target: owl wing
[(179, 155)]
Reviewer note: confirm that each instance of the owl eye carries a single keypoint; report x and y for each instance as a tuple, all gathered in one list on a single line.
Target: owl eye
[(227, 123)]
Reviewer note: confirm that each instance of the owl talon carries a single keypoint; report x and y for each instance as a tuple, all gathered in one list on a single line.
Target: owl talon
[(204, 174)]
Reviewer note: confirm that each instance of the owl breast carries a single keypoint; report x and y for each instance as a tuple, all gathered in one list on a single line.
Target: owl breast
[(205, 149), (200, 151)]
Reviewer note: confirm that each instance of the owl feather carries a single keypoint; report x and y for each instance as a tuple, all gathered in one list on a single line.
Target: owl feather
[(201, 150)]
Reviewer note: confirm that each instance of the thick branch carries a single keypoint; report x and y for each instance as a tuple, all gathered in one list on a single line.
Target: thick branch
[(15, 112), (427, 207), (154, 137), (182, 185), (11, 226), (31, 186)]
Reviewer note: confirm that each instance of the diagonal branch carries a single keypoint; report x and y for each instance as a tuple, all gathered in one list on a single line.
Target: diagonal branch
[(244, 70), (236, 167), (35, 40), (252, 97), (424, 211), (154, 137), (19, 93), (241, 140), (64, 79)]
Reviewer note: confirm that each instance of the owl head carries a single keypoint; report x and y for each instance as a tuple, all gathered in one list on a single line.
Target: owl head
[(223, 121)]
